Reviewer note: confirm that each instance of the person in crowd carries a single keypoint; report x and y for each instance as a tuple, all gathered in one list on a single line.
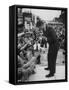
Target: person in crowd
[(25, 68)]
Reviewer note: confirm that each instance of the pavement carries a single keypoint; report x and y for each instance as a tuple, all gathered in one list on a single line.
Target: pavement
[(40, 73)]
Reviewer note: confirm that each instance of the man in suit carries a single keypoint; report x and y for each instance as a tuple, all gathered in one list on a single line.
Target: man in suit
[(50, 34)]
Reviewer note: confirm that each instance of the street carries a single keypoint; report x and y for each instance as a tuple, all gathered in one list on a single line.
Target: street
[(40, 72)]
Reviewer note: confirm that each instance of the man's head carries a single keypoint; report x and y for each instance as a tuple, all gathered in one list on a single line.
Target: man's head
[(39, 24), (42, 25)]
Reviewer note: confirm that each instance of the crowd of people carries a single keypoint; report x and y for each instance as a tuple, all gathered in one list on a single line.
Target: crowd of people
[(29, 49), (27, 57)]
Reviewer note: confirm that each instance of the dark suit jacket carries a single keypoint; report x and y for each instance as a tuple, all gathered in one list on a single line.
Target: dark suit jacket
[(51, 35)]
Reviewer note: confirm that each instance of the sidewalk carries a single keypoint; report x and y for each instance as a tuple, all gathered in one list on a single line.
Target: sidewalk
[(40, 73)]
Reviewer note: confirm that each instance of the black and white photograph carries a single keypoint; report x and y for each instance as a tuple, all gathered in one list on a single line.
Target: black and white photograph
[(34, 45), (41, 44)]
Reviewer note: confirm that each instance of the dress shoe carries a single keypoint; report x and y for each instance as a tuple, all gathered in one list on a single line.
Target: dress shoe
[(50, 75), (46, 68)]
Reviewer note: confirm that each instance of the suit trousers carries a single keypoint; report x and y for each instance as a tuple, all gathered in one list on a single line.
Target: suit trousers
[(52, 56)]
